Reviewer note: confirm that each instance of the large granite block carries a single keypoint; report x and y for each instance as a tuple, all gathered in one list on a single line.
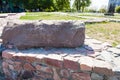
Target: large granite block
[(51, 33)]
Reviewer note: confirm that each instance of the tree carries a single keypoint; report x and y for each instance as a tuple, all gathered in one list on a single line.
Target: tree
[(39, 4), (117, 9), (62, 4), (103, 9), (81, 4)]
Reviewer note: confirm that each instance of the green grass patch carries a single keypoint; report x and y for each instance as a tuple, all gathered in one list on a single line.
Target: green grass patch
[(108, 32), (49, 16)]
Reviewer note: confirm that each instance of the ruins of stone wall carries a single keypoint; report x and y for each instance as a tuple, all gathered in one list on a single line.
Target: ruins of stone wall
[(19, 66)]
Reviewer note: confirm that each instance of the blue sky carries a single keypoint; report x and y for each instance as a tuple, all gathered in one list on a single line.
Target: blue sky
[(96, 4)]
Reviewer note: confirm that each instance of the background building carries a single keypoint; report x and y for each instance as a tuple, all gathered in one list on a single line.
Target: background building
[(112, 4)]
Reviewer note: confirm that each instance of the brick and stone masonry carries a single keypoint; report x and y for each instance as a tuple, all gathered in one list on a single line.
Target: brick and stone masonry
[(51, 65), (88, 62)]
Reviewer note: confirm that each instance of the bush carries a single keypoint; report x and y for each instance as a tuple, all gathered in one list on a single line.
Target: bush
[(117, 9), (102, 10), (92, 10)]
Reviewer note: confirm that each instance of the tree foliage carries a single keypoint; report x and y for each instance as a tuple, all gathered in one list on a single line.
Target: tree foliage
[(81, 4), (117, 9), (62, 4), (38, 4), (51, 5)]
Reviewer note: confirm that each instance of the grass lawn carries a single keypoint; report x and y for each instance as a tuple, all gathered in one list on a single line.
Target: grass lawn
[(99, 15), (108, 32), (49, 16)]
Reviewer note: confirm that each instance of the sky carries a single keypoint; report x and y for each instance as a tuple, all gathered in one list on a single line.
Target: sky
[(97, 4)]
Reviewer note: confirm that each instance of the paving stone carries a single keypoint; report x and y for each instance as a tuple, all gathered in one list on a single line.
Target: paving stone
[(92, 41), (117, 61), (88, 48), (96, 47), (106, 45), (118, 46), (105, 56), (87, 37), (114, 50), (82, 51), (94, 55)]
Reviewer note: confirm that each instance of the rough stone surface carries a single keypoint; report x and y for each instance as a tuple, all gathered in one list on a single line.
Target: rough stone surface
[(95, 76), (81, 76), (44, 34)]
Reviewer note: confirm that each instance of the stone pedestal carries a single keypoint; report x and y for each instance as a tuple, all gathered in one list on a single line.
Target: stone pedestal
[(44, 34)]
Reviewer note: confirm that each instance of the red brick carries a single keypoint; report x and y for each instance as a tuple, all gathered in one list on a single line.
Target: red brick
[(68, 64), (44, 68), (44, 75), (105, 71), (6, 54), (18, 66), (64, 73), (102, 67), (80, 76), (30, 59), (53, 62), (5, 65), (28, 67)]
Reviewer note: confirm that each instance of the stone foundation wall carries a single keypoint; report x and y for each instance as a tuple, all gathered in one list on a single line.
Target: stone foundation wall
[(21, 66)]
